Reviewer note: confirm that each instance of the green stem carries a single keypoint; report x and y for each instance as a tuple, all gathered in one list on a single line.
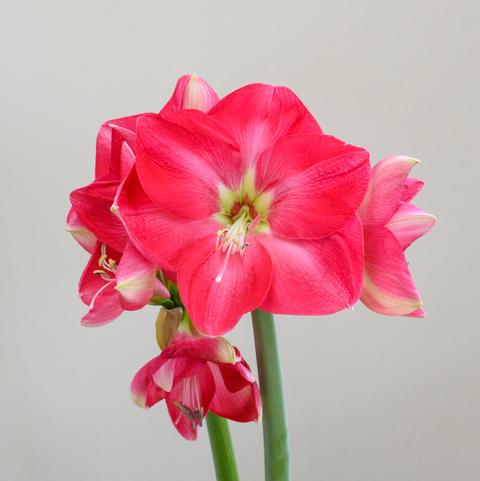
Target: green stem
[(275, 436), (222, 449)]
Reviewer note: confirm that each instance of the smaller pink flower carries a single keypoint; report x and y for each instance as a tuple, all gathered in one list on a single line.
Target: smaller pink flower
[(195, 375), (390, 224), (114, 282), (117, 276)]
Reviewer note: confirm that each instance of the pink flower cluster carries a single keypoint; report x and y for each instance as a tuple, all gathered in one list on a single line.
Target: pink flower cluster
[(212, 208)]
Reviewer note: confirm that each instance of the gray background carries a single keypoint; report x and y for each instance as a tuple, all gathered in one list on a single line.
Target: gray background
[(370, 398)]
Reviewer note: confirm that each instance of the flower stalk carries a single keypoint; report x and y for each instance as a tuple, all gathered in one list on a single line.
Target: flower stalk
[(222, 448), (275, 435)]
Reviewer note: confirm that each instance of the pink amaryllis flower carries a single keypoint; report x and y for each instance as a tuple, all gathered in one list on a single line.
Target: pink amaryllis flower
[(195, 375), (391, 223), (252, 206), (117, 276)]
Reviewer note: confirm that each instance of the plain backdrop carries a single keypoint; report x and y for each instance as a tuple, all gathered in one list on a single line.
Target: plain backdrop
[(370, 398)]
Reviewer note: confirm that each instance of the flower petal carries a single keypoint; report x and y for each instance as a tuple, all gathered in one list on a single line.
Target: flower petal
[(216, 349), (316, 276), (158, 235), (79, 232), (388, 285), (105, 306), (417, 313), (318, 201), (191, 92), (214, 301), (296, 153), (165, 375), (258, 115), (109, 165), (385, 189), (243, 405), (92, 204), (411, 188), (191, 391), (134, 276), (183, 161), (145, 391), (409, 223)]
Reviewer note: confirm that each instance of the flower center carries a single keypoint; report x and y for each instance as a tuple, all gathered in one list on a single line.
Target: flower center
[(241, 223), (107, 265), (243, 212)]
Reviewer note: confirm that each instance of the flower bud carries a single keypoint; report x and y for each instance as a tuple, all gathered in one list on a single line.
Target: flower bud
[(191, 92), (166, 325), (199, 95)]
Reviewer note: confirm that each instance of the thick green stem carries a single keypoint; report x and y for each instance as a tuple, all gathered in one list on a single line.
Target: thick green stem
[(275, 436), (222, 449)]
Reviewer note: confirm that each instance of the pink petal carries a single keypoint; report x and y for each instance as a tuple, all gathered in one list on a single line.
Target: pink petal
[(79, 232), (409, 223), (316, 276), (158, 235), (216, 349), (215, 302), (91, 283), (165, 375), (110, 139), (388, 285), (135, 276), (243, 405), (417, 313), (385, 189), (159, 289), (318, 201), (183, 161), (194, 392), (411, 188), (105, 306), (145, 391), (296, 153), (258, 115), (92, 204), (191, 92), (103, 151)]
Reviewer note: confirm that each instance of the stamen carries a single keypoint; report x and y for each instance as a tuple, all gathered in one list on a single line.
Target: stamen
[(231, 240), (190, 404), (106, 264)]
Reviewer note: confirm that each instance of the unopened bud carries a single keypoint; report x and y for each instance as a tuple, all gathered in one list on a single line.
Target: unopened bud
[(166, 325)]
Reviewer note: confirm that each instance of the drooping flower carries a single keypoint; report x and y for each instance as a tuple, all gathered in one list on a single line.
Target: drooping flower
[(252, 206), (391, 223), (117, 276), (197, 374)]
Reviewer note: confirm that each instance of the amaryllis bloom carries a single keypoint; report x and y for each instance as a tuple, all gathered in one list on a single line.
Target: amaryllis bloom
[(195, 375), (117, 276), (391, 223), (252, 206)]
